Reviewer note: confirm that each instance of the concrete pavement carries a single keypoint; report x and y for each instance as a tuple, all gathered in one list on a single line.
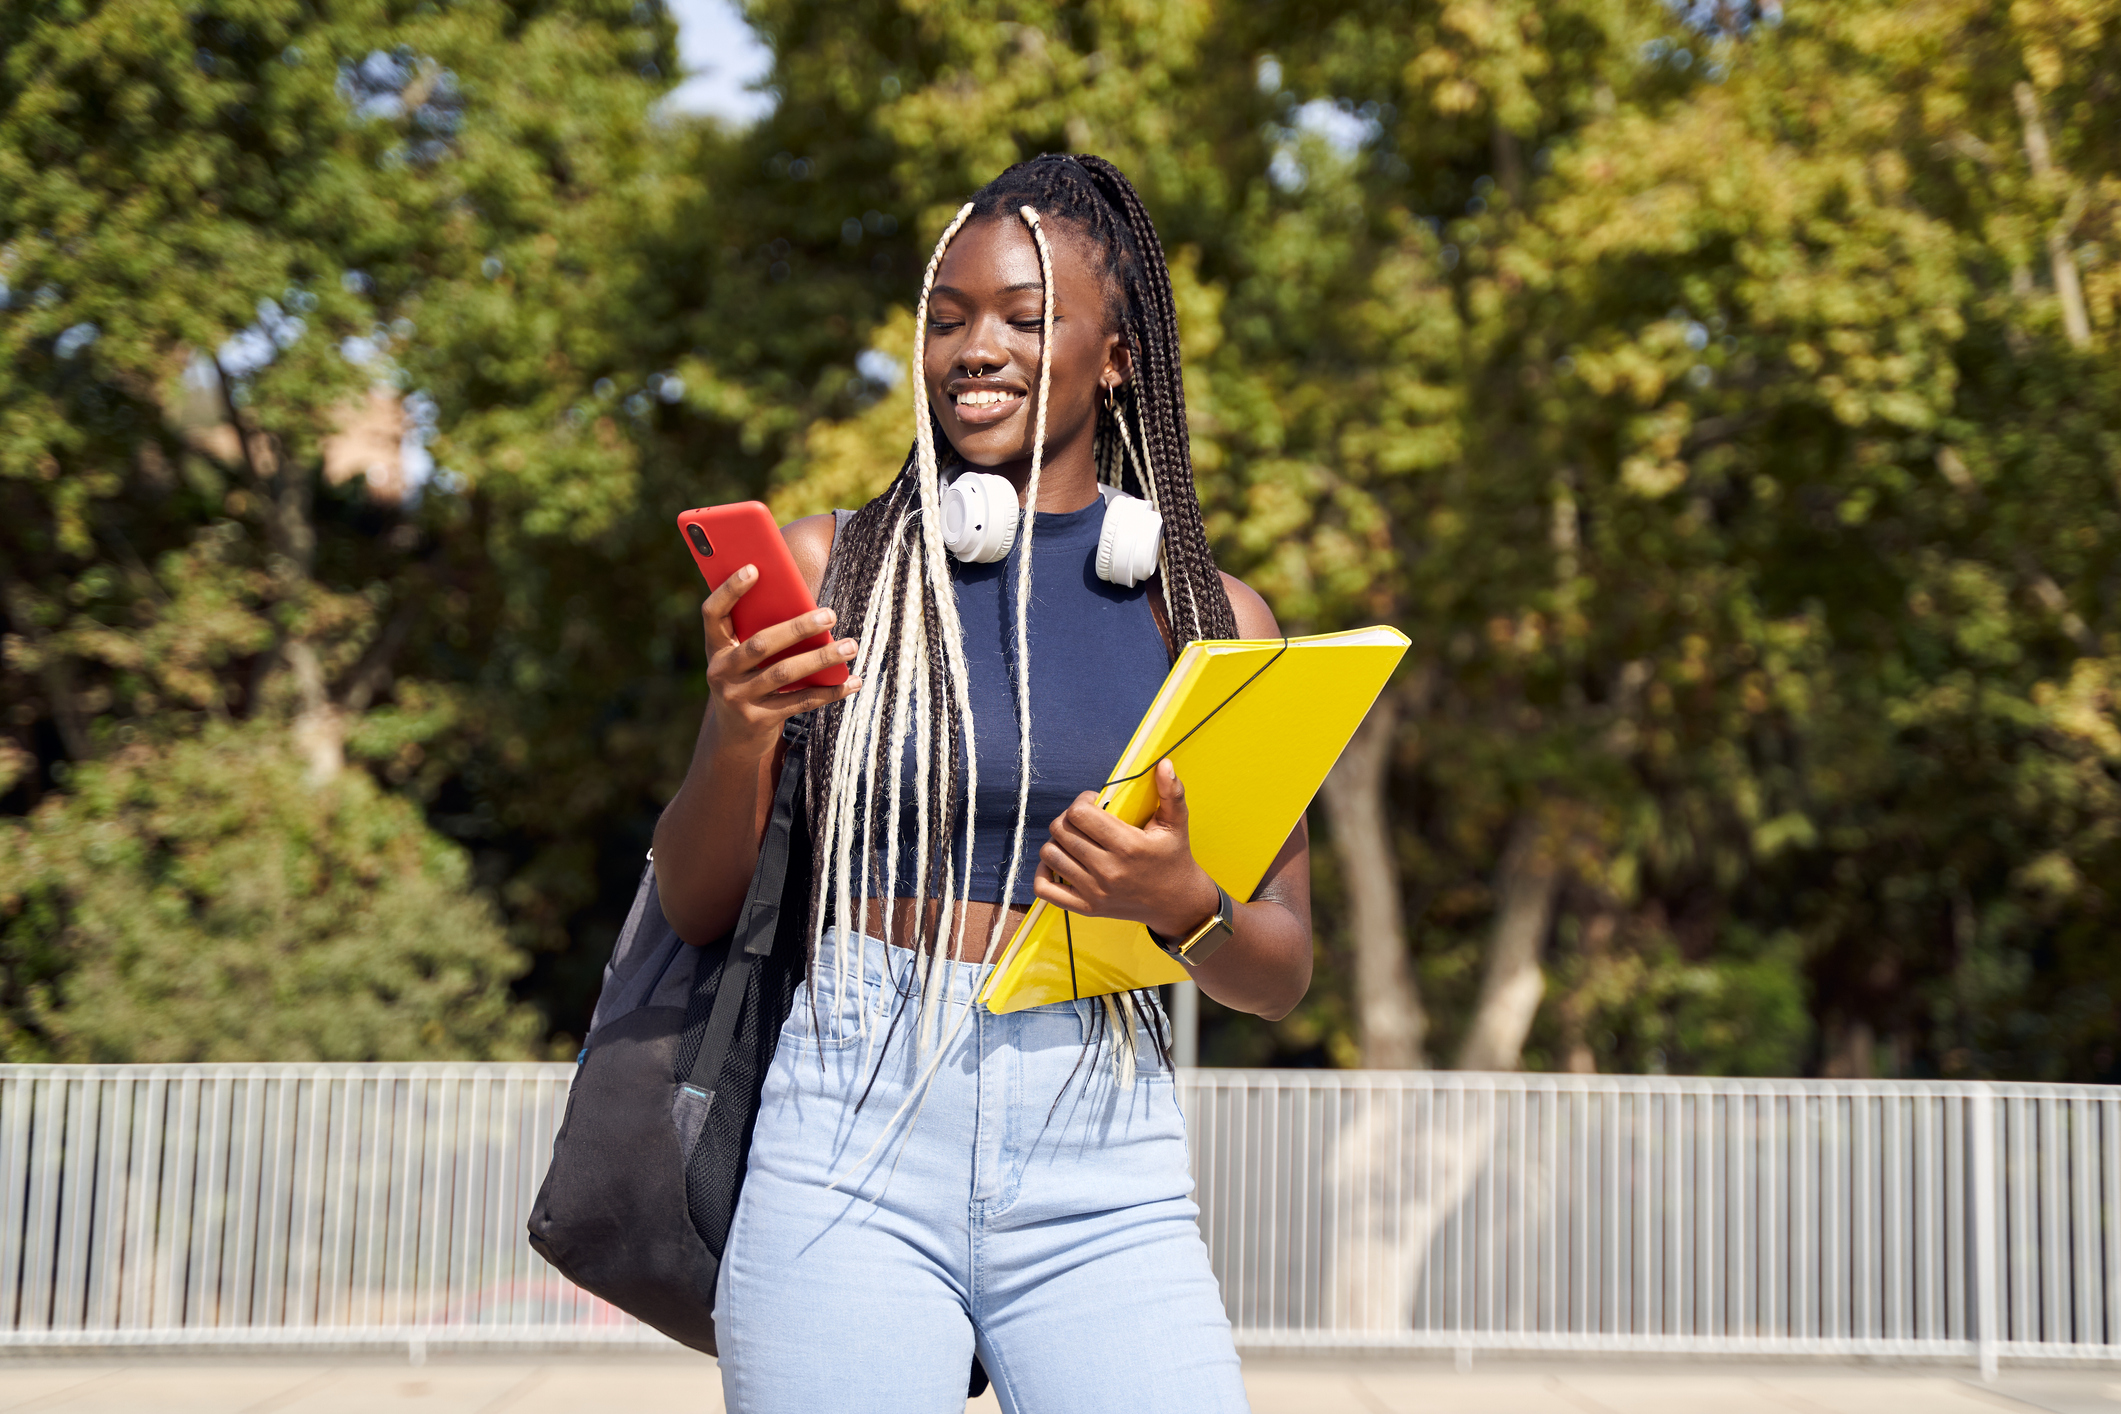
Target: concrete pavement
[(652, 1383)]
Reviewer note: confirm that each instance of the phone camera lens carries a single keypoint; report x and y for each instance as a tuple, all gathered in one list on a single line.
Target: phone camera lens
[(699, 539)]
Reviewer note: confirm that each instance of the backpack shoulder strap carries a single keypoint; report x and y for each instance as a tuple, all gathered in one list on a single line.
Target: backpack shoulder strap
[(760, 921)]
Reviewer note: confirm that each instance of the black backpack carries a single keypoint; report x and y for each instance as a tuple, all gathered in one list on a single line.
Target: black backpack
[(649, 1158)]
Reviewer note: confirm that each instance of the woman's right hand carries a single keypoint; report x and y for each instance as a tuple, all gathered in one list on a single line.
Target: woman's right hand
[(748, 703)]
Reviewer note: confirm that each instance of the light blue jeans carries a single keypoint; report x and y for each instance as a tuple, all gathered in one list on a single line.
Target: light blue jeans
[(1031, 1209)]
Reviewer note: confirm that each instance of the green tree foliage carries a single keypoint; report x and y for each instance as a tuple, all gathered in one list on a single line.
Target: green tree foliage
[(1722, 397), (225, 231), (1706, 394), (204, 902)]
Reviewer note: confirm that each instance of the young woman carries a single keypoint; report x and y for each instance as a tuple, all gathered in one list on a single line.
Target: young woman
[(928, 1181)]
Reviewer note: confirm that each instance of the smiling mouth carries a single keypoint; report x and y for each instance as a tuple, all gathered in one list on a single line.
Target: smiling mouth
[(985, 407)]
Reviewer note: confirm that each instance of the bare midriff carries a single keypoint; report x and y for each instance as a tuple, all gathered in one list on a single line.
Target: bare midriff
[(965, 945)]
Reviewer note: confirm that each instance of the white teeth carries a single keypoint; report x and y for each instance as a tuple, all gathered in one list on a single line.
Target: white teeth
[(984, 397)]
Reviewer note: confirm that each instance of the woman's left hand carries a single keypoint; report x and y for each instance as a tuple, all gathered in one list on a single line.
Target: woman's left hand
[(1106, 868)]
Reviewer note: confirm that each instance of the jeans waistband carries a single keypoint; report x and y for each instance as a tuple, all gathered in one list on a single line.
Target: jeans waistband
[(960, 981)]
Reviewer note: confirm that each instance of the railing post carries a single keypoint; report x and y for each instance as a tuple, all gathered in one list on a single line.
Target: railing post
[(1987, 1256), (1185, 1025)]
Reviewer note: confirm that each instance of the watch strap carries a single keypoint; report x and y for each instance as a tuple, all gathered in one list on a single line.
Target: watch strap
[(1197, 946)]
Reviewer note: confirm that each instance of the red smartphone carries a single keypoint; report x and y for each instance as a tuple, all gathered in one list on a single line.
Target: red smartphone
[(724, 539)]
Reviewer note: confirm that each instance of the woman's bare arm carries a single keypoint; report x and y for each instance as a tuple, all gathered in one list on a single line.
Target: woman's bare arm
[(707, 841)]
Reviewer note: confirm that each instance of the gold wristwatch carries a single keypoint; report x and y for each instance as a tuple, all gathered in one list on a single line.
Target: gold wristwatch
[(1197, 946)]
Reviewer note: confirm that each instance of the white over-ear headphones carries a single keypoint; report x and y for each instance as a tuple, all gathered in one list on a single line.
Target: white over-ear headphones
[(980, 517), (1132, 534)]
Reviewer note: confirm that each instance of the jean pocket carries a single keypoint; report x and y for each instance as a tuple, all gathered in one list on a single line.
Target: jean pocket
[(835, 1007), (1149, 1067)]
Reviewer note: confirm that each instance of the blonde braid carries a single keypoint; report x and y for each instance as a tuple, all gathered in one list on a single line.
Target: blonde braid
[(851, 748), (888, 759), (1023, 576), (943, 594)]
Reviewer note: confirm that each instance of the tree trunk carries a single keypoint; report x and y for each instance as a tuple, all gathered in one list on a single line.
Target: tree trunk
[(1850, 1046), (319, 730), (1574, 1010), (2061, 261), (319, 727), (57, 674), (1389, 1021), (1509, 163), (1525, 886)]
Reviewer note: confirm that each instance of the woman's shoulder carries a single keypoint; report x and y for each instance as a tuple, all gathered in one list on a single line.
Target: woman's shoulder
[(810, 541), (1254, 618)]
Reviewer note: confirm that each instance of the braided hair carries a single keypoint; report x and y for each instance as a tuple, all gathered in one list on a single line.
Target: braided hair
[(890, 576)]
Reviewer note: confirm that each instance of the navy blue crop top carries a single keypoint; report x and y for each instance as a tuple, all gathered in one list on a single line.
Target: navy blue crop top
[(1096, 663)]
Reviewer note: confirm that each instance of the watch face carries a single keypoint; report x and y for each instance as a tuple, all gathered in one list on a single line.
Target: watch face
[(1205, 939), (1205, 946)]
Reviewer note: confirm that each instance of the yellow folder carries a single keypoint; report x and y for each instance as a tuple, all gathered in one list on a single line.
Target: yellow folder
[(1252, 726)]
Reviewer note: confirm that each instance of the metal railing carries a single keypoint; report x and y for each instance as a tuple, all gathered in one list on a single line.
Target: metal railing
[(1662, 1214), (377, 1204), (281, 1205)]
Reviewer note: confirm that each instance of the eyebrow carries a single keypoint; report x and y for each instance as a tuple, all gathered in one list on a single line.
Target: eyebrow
[(1006, 289)]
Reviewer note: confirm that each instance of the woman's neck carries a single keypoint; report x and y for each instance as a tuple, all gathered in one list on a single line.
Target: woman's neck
[(1067, 480)]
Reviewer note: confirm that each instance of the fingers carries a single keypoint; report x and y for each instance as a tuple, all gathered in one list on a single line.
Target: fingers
[(743, 671), (797, 666), (780, 637), (1171, 810), (717, 615), (809, 699), (781, 702), (752, 693), (721, 604), (1098, 829), (1081, 876), (1060, 895), (1097, 865)]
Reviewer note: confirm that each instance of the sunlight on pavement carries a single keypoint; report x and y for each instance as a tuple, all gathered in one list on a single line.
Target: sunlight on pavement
[(649, 1384)]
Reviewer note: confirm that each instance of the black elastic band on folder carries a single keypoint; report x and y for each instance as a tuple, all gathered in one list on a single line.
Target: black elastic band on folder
[(1075, 988), (1174, 746)]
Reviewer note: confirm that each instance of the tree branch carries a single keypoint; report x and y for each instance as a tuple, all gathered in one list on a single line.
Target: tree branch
[(373, 671), (287, 526), (2057, 603)]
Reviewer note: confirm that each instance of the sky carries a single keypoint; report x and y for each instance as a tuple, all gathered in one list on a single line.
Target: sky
[(721, 56)]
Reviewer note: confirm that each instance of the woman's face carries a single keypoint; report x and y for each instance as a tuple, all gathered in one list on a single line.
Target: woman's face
[(982, 348)]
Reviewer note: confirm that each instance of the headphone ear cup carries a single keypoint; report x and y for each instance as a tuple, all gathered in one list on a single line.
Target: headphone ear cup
[(980, 516), (1128, 543)]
